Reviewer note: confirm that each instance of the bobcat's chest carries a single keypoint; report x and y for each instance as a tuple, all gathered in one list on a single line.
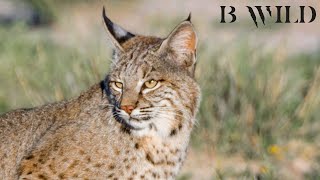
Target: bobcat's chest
[(96, 157), (164, 159)]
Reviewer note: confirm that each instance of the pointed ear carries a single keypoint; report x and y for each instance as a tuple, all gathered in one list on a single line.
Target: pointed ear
[(182, 42), (117, 34)]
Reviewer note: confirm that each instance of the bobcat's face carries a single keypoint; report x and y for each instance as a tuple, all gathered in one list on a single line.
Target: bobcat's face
[(151, 87)]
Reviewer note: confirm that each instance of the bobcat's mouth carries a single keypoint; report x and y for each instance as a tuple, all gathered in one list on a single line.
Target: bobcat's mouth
[(129, 122)]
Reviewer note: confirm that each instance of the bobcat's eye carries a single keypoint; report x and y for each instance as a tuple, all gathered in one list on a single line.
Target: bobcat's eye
[(116, 85), (151, 84)]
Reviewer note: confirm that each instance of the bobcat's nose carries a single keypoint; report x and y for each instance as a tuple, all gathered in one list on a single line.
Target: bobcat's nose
[(128, 108)]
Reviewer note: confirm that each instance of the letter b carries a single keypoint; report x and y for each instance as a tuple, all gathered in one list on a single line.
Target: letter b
[(234, 17)]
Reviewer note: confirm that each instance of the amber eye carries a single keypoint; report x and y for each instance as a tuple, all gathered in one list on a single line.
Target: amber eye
[(117, 85), (151, 84)]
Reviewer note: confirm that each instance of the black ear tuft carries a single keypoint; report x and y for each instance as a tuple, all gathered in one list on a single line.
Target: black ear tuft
[(117, 33), (189, 17)]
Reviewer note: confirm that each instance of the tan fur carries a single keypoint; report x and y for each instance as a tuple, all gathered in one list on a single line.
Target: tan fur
[(80, 138)]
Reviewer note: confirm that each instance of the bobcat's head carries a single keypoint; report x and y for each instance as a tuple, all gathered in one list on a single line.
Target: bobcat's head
[(151, 85)]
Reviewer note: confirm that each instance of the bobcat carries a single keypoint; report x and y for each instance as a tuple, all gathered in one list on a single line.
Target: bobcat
[(135, 124)]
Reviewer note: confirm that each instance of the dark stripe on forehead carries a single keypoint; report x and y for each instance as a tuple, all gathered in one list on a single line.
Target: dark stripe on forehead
[(144, 54), (135, 56), (124, 67), (130, 55), (136, 70), (121, 64), (130, 52), (134, 61)]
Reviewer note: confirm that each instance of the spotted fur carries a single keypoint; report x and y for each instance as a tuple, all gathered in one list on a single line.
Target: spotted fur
[(93, 137)]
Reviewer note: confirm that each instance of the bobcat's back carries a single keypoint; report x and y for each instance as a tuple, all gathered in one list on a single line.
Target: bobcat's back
[(23, 129)]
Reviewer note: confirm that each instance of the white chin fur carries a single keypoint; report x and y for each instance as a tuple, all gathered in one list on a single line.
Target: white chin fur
[(137, 125), (142, 128)]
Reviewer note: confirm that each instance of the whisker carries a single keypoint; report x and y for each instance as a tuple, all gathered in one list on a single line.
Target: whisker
[(170, 115), (171, 112)]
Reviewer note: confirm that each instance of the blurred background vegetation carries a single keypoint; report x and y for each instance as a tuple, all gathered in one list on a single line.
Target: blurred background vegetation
[(259, 114)]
